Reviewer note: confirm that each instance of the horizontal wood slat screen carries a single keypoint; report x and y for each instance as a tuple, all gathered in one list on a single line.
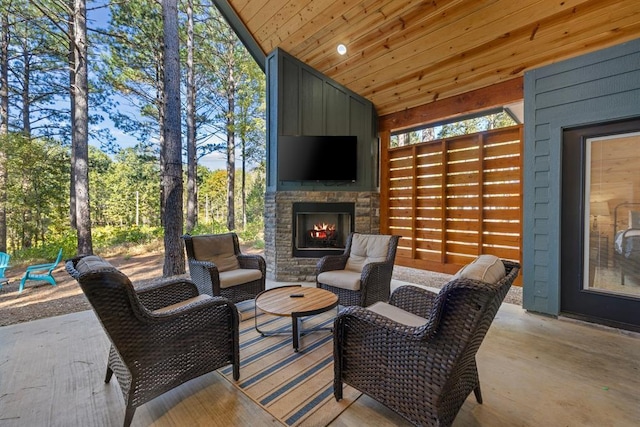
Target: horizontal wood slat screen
[(454, 199)]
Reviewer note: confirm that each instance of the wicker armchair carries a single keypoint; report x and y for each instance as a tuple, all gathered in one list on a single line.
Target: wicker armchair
[(417, 354), (161, 335), (361, 275), (217, 267)]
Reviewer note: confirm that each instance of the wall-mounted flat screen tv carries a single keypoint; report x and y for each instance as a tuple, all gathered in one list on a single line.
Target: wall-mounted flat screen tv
[(317, 158)]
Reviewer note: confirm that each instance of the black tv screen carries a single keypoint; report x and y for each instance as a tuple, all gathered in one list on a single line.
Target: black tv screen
[(317, 158)]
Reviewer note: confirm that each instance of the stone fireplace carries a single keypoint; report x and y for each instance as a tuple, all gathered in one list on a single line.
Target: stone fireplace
[(302, 226)]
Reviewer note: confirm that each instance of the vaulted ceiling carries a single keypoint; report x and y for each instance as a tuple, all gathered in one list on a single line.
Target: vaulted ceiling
[(403, 53)]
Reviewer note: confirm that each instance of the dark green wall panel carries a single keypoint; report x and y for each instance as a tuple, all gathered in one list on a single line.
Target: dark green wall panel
[(303, 101)]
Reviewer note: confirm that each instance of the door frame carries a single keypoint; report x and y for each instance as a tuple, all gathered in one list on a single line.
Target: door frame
[(614, 310)]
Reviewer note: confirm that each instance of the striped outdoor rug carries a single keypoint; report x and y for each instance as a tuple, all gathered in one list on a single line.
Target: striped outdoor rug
[(296, 388)]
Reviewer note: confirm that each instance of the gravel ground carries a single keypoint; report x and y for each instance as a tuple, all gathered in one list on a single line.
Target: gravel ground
[(438, 280)]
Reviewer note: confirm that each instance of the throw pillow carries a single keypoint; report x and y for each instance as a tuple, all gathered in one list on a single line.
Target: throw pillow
[(486, 268), (92, 262)]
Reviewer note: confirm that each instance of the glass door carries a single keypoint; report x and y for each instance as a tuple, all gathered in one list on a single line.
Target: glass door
[(612, 250), (600, 248)]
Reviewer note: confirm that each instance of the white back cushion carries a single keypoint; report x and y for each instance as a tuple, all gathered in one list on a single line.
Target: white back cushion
[(367, 248)]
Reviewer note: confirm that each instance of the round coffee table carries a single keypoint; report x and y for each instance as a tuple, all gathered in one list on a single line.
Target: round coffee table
[(306, 301)]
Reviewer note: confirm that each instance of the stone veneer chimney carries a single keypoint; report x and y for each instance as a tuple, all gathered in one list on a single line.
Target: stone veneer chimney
[(278, 228)]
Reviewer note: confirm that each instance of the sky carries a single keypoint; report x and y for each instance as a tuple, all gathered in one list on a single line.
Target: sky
[(98, 17)]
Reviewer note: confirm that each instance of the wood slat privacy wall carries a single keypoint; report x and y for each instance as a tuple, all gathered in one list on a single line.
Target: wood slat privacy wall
[(454, 199)]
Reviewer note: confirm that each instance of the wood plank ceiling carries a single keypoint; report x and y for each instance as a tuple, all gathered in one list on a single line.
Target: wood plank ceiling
[(404, 53)]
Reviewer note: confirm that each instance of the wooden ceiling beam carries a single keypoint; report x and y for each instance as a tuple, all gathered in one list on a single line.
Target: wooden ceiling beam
[(470, 102)]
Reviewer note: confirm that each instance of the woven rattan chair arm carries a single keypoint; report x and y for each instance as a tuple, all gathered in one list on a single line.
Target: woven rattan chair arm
[(165, 291), (252, 262), (212, 304), (375, 282), (331, 262), (207, 269), (208, 265), (414, 299), (379, 270), (205, 275), (512, 269)]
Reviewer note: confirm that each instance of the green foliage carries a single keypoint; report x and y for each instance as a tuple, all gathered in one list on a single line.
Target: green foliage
[(124, 185), (255, 196), (462, 127), (130, 190), (253, 233), (47, 253), (104, 239), (38, 199), (37, 189), (213, 197), (479, 124), (131, 65), (211, 227)]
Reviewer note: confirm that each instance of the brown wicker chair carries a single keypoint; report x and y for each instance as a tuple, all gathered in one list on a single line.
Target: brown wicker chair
[(422, 364), (361, 275), (217, 267), (161, 335)]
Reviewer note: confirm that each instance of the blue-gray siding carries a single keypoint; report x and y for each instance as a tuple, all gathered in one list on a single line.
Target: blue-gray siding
[(589, 89)]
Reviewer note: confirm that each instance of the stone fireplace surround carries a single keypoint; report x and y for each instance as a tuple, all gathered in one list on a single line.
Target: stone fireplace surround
[(278, 228)]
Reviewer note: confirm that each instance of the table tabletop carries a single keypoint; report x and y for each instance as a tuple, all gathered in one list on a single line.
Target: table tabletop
[(278, 301)]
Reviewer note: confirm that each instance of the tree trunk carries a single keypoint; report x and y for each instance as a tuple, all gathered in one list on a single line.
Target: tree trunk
[(26, 102), (4, 127), (72, 72), (172, 145), (243, 144), (25, 235), (192, 159), (81, 128), (231, 149)]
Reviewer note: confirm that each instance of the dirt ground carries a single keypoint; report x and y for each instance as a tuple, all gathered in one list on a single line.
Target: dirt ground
[(41, 300)]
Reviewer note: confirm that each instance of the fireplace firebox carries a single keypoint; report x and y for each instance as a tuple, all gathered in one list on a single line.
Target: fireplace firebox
[(321, 228)]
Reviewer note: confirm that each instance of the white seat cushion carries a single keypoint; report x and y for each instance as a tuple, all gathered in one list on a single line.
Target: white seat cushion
[(239, 276), (397, 314), (485, 268), (367, 248), (344, 279)]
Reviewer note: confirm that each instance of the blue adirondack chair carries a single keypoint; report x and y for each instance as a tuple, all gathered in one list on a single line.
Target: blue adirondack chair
[(41, 272), (4, 263)]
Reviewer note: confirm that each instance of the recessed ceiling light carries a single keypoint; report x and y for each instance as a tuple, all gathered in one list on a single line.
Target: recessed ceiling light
[(342, 49)]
